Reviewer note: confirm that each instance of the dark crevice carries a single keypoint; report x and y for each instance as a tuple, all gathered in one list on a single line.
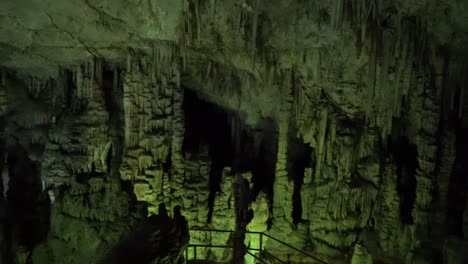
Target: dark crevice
[(28, 206), (220, 129), (405, 154), (168, 163), (113, 92), (108, 87), (458, 185), (216, 173), (298, 158), (109, 159), (83, 178), (208, 125), (69, 88), (265, 148)]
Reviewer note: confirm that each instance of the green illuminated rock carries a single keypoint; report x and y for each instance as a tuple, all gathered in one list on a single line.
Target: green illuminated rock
[(350, 116)]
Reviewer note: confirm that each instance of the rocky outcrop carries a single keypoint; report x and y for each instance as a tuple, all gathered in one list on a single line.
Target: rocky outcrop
[(87, 220), (152, 106), (97, 222)]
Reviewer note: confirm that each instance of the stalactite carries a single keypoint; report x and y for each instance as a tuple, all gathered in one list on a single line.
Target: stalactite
[(321, 142), (90, 81), (85, 75), (208, 70), (129, 62), (254, 31), (78, 79), (177, 78), (383, 76), (338, 14), (371, 83), (319, 64), (330, 141), (198, 20), (35, 86)]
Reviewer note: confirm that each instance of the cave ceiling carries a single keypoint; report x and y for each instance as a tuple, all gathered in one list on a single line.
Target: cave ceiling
[(38, 35)]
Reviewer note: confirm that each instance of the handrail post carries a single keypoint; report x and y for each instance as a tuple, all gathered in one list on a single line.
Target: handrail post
[(261, 246)]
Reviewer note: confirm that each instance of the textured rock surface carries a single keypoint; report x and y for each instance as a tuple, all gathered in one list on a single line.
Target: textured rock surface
[(151, 95), (96, 222), (87, 220)]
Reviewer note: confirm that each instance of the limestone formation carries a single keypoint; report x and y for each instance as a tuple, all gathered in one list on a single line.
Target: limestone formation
[(348, 118)]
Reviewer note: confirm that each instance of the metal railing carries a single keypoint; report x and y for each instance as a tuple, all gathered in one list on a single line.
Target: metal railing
[(263, 254)]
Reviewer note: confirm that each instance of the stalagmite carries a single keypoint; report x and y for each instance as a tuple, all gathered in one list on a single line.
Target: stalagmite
[(361, 255)]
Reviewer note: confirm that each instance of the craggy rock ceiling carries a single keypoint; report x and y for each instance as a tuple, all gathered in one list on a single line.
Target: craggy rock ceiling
[(36, 35), (248, 36), (47, 33), (348, 118)]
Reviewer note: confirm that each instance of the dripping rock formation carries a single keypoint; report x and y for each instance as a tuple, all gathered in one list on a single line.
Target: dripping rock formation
[(347, 119)]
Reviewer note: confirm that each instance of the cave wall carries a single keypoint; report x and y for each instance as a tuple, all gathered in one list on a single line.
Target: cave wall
[(371, 88)]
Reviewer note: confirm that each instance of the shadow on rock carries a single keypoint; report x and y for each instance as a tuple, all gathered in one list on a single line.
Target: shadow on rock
[(156, 239)]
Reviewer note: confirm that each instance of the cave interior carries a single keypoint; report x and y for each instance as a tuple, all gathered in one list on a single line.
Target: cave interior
[(234, 131)]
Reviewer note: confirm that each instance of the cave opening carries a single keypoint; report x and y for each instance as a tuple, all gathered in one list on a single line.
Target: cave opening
[(208, 125), (220, 129), (298, 159), (261, 143), (28, 205), (405, 154)]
